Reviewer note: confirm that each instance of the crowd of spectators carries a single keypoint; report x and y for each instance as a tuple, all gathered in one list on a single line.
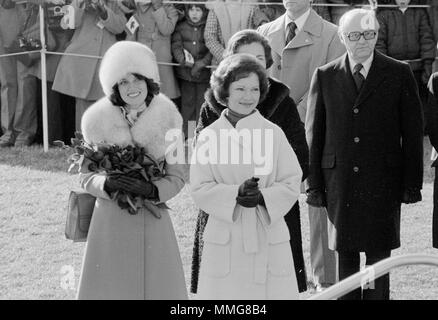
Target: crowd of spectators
[(190, 35)]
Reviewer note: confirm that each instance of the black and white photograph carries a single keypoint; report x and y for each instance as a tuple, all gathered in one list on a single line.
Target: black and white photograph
[(218, 155)]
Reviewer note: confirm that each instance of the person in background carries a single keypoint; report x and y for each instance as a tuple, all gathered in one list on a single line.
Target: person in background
[(18, 86), (97, 24), (336, 12), (60, 110), (272, 12), (278, 108), (301, 41), (405, 34), (246, 254), (156, 23), (189, 50), (224, 19), (364, 128)]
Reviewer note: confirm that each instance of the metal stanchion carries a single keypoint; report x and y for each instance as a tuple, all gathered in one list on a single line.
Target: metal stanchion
[(44, 82)]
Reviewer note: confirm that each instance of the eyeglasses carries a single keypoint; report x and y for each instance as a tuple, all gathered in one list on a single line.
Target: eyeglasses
[(367, 35)]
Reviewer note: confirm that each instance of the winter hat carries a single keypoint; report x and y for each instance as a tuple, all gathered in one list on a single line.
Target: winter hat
[(125, 57)]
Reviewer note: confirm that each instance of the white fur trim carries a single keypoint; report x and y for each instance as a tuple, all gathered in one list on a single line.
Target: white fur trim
[(104, 122), (125, 57)]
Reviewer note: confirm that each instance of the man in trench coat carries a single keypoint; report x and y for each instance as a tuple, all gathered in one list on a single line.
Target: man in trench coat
[(364, 128), (314, 44)]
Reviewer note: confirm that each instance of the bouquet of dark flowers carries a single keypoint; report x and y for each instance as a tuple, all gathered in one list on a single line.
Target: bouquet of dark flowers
[(115, 161)]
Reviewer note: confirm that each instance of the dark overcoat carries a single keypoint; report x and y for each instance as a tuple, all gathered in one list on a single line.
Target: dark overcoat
[(431, 117), (280, 109), (366, 148)]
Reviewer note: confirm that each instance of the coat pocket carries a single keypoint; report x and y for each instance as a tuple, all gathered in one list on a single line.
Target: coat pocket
[(280, 261), (216, 254), (328, 161)]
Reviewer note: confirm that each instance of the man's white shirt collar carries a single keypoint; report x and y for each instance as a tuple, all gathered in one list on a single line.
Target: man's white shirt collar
[(366, 65), (299, 22)]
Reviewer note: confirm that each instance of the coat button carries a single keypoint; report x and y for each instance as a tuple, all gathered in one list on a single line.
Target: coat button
[(356, 169), (194, 43), (279, 67), (356, 139), (356, 110)]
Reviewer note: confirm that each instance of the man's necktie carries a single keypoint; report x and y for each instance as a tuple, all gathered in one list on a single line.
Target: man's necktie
[(358, 77), (291, 27)]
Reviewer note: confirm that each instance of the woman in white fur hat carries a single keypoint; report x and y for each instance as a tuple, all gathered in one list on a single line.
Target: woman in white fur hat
[(132, 256)]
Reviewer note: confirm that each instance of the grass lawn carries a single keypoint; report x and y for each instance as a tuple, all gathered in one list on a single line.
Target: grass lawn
[(34, 188)]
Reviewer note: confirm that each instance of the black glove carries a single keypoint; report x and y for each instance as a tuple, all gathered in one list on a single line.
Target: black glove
[(316, 198), (139, 187), (249, 187), (196, 69), (411, 195), (112, 184), (249, 195), (250, 201)]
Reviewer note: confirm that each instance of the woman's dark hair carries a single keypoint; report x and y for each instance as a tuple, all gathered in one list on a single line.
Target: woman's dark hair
[(153, 90), (249, 36), (234, 68)]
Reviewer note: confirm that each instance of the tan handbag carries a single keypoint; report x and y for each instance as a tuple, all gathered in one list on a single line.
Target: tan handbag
[(79, 214)]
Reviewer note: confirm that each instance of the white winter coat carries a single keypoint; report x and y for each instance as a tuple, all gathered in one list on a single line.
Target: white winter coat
[(246, 252)]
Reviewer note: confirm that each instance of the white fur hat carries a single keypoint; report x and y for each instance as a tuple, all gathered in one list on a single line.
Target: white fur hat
[(125, 57)]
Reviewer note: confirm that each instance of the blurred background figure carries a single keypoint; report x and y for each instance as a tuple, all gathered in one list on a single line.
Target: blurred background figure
[(190, 51), (60, 107), (97, 23), (18, 87), (155, 23), (406, 34), (224, 19), (336, 12)]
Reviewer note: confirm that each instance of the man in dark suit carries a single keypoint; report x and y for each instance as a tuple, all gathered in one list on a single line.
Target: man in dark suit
[(364, 129)]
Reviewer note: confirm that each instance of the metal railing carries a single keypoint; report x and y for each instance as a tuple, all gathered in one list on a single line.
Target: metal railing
[(369, 274)]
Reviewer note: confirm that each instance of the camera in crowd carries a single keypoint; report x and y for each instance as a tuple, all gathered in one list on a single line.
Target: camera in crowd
[(56, 13), (28, 44)]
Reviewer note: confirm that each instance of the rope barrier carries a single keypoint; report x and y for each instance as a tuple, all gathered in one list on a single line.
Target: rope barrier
[(44, 52)]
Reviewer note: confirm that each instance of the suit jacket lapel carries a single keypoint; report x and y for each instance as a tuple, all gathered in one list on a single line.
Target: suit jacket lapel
[(312, 27), (277, 35), (375, 77)]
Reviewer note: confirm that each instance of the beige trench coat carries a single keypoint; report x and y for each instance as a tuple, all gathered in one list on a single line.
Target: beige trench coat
[(77, 76), (313, 46), (155, 30)]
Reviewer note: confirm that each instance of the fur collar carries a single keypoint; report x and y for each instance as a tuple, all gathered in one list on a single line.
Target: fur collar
[(277, 93), (104, 122)]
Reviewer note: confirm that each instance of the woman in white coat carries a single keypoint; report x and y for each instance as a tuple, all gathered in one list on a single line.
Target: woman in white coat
[(246, 176), (132, 256)]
